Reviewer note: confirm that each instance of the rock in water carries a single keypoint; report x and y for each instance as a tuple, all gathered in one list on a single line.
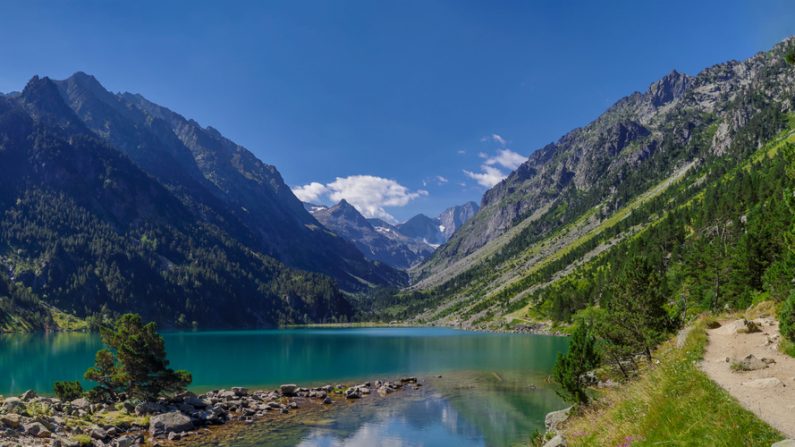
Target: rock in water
[(169, 422)]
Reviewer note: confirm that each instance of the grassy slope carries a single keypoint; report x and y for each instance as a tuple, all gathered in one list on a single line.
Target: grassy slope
[(671, 404)]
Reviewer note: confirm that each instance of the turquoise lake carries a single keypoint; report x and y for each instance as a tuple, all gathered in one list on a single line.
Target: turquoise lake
[(481, 389)]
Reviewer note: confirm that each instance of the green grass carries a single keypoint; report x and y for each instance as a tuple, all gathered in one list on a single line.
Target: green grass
[(82, 439), (787, 347), (671, 404), (68, 322)]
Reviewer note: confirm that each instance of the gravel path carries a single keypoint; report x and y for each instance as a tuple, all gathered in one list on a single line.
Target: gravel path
[(768, 392)]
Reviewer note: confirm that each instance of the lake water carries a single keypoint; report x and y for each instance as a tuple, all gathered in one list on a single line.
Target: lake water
[(492, 391)]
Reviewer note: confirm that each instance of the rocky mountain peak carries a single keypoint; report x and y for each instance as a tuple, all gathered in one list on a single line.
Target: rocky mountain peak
[(672, 86), (343, 209), (44, 102)]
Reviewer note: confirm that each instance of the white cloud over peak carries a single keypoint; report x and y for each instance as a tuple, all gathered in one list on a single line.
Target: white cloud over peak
[(311, 192), (369, 194), (490, 174), (507, 159)]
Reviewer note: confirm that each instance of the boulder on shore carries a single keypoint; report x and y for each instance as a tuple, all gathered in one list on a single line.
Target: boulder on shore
[(555, 418), (288, 389), (37, 429), (10, 420), (13, 405), (170, 422), (557, 441)]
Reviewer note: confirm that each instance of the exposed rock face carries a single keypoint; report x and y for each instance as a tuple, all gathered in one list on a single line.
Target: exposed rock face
[(451, 219), (658, 127), (437, 230), (423, 228)]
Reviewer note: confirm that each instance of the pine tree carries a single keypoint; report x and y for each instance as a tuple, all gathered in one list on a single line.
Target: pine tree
[(142, 354), (110, 378), (572, 366), (135, 363)]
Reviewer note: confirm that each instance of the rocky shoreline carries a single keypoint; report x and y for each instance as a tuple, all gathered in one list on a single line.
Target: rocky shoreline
[(32, 420)]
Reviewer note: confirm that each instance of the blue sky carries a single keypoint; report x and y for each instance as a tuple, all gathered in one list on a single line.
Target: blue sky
[(404, 106)]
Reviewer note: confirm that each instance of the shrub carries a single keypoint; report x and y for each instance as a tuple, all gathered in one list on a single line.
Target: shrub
[(67, 391), (790, 57), (786, 317)]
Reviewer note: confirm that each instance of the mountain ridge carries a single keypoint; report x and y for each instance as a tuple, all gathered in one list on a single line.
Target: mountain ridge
[(604, 152), (224, 181), (573, 193)]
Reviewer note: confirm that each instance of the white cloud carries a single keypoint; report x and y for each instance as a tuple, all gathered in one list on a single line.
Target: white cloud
[(440, 179), (497, 138), (483, 155), (370, 195), (461, 152), (311, 192), (489, 176), (507, 159)]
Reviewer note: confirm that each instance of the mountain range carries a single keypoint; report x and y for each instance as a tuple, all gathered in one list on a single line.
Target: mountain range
[(111, 203), (401, 246)]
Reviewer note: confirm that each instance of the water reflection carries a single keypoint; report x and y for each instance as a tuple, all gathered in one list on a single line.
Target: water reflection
[(464, 410), (35, 361)]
